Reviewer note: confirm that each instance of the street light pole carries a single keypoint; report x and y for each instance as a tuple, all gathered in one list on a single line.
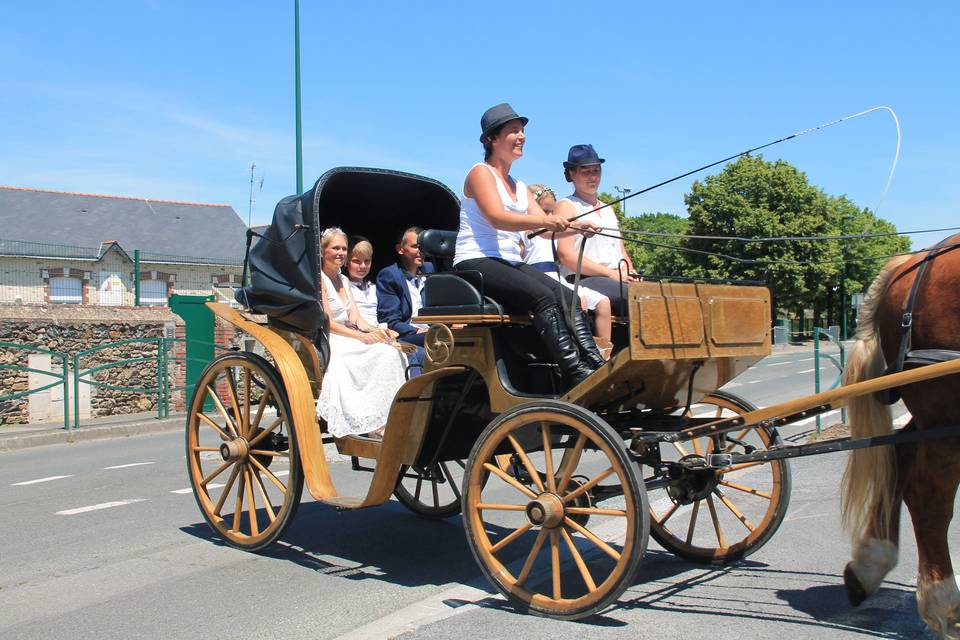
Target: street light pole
[(624, 192), (296, 40), (843, 279)]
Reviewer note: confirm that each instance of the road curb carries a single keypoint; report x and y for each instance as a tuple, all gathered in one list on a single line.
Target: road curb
[(14, 442)]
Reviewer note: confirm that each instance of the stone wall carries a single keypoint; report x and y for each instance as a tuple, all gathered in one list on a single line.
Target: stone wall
[(71, 329)]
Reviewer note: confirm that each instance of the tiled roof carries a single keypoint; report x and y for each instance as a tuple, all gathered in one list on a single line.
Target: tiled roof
[(210, 231)]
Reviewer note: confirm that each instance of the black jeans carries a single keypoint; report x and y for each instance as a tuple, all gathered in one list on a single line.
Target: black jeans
[(519, 288)]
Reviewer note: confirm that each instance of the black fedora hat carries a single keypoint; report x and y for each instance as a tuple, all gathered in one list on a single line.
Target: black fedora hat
[(498, 115), (581, 155)]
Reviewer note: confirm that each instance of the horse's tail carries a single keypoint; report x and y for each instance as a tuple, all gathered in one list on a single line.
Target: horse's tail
[(870, 478)]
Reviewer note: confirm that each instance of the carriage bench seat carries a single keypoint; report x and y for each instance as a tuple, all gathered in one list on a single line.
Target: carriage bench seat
[(454, 296)]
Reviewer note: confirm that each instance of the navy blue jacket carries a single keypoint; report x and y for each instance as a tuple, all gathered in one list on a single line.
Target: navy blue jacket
[(393, 298)]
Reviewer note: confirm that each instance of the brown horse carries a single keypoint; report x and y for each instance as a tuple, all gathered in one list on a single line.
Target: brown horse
[(924, 474)]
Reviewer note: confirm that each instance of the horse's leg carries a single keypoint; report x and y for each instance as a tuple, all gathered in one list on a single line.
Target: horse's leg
[(875, 553), (929, 497)]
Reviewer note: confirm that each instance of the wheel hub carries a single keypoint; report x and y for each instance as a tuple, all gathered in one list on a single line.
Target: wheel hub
[(546, 511), (696, 481), (236, 449)]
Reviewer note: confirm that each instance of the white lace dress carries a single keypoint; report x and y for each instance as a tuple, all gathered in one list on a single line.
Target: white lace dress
[(361, 379)]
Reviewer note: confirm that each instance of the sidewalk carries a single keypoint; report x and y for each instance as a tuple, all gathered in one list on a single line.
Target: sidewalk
[(22, 436)]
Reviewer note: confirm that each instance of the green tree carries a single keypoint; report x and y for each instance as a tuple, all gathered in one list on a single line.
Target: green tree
[(655, 254), (753, 198)]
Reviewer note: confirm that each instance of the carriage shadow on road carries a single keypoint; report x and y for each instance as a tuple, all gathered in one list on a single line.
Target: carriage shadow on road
[(753, 590)]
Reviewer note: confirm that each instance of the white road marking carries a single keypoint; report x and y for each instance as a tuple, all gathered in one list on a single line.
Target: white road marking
[(97, 507), (807, 371), (777, 364), (805, 359), (212, 485), (731, 385), (38, 480), (132, 464), (902, 420), (754, 381)]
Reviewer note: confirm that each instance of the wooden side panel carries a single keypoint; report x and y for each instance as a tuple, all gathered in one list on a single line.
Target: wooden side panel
[(297, 385)]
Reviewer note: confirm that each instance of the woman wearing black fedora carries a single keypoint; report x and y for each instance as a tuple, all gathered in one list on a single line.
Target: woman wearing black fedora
[(494, 210), (601, 264)]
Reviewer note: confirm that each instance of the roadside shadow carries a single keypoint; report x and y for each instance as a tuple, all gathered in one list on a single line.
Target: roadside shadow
[(750, 590)]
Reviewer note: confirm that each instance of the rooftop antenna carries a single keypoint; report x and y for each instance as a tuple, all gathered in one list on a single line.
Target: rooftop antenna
[(250, 208)]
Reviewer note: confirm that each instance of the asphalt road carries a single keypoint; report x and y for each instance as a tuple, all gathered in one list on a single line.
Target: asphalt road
[(104, 540)]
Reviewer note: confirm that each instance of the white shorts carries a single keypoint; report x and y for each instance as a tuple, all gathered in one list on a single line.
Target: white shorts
[(592, 297)]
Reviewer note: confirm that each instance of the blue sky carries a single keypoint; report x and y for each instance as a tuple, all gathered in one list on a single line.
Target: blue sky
[(175, 99)]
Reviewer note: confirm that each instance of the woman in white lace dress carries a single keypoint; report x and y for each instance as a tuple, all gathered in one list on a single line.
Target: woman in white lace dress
[(365, 370)]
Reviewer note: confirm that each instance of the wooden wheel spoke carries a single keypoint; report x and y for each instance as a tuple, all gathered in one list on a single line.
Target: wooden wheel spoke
[(578, 560), (449, 477), (235, 403), (746, 489), (494, 506), (226, 490), (246, 399), (733, 509), (589, 535), (263, 434), (716, 522), (506, 477), (531, 557), (696, 447), (745, 465), (251, 502), (693, 521), (436, 494), (570, 462), (223, 434), (274, 479), (262, 490), (516, 533), (555, 563), (548, 457), (238, 507), (223, 411), (261, 405), (215, 473), (673, 509), (527, 464), (595, 511), (679, 448), (264, 452), (590, 484)]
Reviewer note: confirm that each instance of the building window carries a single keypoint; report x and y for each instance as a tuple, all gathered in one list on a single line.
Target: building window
[(153, 293), (66, 291)]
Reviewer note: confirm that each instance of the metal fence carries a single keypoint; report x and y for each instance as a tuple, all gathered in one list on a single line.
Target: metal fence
[(168, 362)]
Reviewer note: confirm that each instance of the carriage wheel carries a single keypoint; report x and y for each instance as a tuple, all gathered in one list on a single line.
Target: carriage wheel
[(525, 531), (433, 493), (720, 516), (242, 451)]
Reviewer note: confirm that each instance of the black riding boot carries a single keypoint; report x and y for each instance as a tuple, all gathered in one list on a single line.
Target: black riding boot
[(584, 337), (560, 345)]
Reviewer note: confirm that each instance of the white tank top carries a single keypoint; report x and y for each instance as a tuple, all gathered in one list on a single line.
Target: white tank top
[(601, 249), (539, 249), (478, 238)]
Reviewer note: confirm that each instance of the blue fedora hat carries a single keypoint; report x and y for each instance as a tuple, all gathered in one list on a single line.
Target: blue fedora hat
[(581, 155), (498, 115)]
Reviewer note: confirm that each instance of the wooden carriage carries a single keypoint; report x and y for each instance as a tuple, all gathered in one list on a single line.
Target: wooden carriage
[(559, 488)]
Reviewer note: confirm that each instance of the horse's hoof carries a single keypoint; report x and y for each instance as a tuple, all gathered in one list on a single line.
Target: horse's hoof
[(855, 591)]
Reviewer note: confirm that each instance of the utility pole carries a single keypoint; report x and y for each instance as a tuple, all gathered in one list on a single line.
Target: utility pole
[(843, 279), (296, 39), (624, 192), (250, 209)]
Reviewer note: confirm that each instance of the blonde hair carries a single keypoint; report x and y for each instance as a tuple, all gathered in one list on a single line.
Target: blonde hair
[(539, 191), (363, 249), (329, 233)]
